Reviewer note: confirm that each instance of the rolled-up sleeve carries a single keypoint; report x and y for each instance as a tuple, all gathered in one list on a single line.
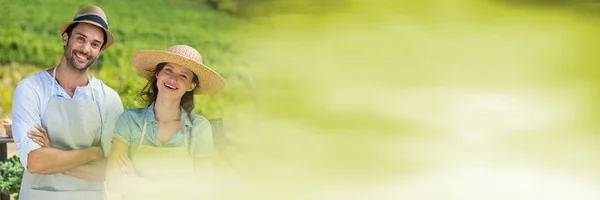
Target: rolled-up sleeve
[(25, 115), (204, 137), (122, 128)]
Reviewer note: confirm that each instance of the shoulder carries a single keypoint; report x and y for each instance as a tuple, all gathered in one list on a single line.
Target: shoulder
[(35, 84), (200, 124), (35, 80), (109, 93), (130, 118), (134, 113), (199, 120)]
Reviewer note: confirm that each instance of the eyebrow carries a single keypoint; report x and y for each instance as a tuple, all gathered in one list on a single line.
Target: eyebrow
[(183, 72), (85, 36)]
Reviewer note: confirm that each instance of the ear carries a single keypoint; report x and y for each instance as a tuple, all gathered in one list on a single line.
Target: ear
[(65, 39), (192, 87)]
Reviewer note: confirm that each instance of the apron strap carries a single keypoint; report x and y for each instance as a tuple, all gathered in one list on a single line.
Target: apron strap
[(53, 81), (192, 144), (142, 138)]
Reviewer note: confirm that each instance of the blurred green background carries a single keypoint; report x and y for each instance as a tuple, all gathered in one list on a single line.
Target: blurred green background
[(356, 99), (30, 42)]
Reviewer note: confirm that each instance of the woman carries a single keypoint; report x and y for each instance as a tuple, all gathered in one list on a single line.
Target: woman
[(165, 142)]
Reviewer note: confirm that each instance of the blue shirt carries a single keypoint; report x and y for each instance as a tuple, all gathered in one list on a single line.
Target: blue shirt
[(129, 130), (31, 98)]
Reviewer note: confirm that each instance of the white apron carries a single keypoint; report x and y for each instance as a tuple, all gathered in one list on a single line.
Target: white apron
[(71, 124), (162, 164)]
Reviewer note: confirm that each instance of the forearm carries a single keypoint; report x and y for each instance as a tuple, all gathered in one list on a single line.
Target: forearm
[(48, 160), (94, 170)]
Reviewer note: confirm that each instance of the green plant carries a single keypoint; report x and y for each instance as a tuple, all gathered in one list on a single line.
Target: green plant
[(228, 6), (11, 172)]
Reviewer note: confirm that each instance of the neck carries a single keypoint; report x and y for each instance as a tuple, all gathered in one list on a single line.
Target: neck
[(166, 109), (69, 78)]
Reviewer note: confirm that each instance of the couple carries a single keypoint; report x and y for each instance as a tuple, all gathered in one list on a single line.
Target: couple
[(72, 134)]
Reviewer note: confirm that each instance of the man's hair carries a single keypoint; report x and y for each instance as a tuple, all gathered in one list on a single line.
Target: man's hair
[(70, 28)]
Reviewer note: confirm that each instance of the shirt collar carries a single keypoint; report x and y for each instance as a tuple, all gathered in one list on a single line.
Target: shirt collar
[(151, 118)]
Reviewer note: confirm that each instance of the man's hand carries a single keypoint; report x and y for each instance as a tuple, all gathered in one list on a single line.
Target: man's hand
[(94, 170), (97, 153), (40, 137), (47, 160)]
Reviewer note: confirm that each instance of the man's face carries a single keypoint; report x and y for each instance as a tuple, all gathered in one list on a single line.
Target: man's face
[(83, 47)]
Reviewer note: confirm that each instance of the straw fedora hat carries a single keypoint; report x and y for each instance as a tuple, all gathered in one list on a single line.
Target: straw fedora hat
[(93, 15), (145, 62)]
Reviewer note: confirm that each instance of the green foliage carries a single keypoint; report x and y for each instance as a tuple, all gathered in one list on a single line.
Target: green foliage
[(10, 75), (30, 31), (30, 36), (11, 172), (262, 8), (228, 6)]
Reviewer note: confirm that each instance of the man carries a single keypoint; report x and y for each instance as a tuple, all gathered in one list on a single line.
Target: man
[(63, 119)]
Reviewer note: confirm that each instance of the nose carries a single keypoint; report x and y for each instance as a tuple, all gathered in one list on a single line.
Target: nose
[(172, 78), (86, 48)]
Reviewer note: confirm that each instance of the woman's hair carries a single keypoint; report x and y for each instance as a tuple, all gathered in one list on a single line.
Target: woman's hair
[(150, 91)]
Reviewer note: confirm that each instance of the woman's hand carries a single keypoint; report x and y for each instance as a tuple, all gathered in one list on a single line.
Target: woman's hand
[(126, 165), (40, 136)]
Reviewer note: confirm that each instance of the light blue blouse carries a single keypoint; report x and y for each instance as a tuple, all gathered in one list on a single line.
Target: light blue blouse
[(130, 123)]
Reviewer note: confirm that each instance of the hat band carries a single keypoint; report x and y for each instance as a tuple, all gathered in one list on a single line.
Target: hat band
[(94, 18)]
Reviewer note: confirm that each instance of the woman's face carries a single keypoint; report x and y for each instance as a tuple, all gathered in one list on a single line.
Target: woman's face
[(175, 80)]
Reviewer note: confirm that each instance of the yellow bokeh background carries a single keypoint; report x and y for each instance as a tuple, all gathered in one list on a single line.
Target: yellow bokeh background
[(451, 99)]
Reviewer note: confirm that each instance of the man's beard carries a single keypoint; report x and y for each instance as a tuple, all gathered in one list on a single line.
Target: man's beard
[(70, 55)]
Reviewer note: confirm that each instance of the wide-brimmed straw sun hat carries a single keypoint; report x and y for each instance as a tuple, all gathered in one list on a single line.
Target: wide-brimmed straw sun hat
[(145, 62), (93, 15)]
